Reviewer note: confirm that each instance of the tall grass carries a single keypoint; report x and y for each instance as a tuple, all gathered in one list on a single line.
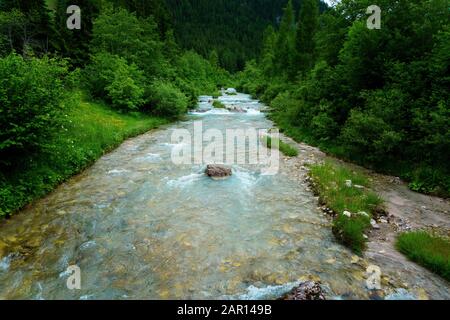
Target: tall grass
[(330, 183), (218, 104), (285, 148), (430, 251)]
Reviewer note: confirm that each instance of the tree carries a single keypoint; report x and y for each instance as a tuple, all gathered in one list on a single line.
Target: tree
[(26, 25), (214, 58), (121, 33), (284, 45), (304, 40)]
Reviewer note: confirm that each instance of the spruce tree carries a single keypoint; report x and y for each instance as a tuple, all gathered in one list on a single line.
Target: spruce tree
[(304, 40), (284, 43)]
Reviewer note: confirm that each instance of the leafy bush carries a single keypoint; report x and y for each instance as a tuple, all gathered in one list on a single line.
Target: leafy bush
[(369, 137), (431, 251), (31, 92), (167, 100), (111, 78), (324, 127), (125, 92)]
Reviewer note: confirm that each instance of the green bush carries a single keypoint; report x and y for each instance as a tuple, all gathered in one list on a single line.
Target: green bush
[(167, 100), (125, 92), (431, 251), (111, 78), (31, 92), (369, 137)]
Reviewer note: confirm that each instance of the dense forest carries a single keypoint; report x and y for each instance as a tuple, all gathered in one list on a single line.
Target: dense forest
[(231, 29), (379, 97)]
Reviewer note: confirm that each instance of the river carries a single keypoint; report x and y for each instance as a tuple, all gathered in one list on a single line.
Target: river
[(140, 227)]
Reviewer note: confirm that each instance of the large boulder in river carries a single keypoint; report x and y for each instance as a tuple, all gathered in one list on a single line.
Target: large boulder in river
[(217, 171), (308, 290)]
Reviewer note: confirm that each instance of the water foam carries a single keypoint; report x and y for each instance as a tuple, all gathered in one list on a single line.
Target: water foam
[(5, 262), (185, 180), (266, 293), (117, 171)]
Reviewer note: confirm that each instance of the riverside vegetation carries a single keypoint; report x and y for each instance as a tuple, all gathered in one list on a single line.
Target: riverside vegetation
[(376, 97)]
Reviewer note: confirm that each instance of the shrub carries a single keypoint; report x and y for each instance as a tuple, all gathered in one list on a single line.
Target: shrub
[(324, 127), (167, 100), (112, 79), (369, 137), (125, 92), (31, 92), (431, 251)]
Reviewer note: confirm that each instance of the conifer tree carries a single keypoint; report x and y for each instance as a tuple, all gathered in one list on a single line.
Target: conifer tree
[(304, 40), (284, 45)]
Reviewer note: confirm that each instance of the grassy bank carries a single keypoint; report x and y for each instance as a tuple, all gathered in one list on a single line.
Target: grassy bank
[(89, 131), (285, 148), (430, 251), (353, 203)]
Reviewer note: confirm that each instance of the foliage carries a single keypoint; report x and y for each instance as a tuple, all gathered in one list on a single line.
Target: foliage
[(433, 252), (232, 28), (167, 100), (125, 56), (110, 77), (30, 95)]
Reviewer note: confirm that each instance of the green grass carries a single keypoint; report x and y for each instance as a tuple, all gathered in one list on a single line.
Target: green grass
[(218, 105), (285, 148), (90, 130), (330, 183), (430, 251)]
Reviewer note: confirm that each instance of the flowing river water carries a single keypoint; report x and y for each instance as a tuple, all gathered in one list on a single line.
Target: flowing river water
[(140, 227)]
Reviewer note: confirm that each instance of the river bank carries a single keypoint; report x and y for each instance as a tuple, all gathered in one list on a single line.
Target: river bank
[(407, 210), (89, 131)]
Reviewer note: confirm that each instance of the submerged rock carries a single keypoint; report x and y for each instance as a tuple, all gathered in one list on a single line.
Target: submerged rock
[(308, 290), (217, 171)]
